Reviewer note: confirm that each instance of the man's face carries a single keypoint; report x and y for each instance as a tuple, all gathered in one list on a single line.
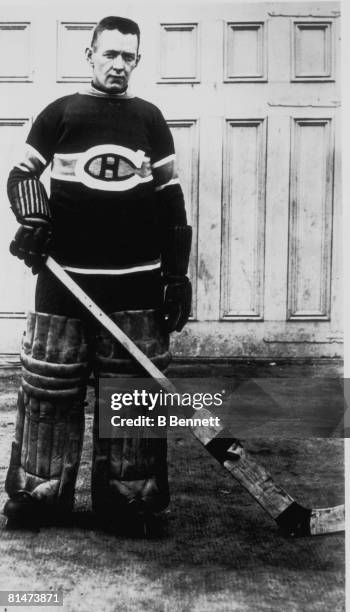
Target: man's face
[(113, 59)]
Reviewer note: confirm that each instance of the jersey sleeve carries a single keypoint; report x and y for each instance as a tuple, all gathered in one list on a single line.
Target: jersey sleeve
[(26, 193), (166, 181), (41, 142)]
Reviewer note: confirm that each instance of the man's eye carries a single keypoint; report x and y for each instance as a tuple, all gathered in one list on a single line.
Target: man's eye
[(128, 58)]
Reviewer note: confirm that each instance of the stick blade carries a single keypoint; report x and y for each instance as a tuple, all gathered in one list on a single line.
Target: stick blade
[(327, 520)]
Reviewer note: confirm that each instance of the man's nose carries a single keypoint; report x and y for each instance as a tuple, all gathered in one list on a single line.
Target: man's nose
[(118, 63)]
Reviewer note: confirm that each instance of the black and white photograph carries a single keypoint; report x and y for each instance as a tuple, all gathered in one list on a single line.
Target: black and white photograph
[(172, 386)]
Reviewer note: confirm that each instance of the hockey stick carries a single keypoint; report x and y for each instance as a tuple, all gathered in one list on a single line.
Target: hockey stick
[(293, 519)]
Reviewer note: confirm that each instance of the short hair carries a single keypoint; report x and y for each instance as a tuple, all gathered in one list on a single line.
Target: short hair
[(124, 25)]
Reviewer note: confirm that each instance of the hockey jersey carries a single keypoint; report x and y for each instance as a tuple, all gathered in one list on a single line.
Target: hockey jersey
[(114, 187)]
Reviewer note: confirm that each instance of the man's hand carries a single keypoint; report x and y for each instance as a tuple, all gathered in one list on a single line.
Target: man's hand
[(31, 243), (177, 302)]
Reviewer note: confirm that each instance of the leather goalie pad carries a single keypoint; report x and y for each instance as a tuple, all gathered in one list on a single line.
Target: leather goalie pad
[(146, 328), (129, 474), (50, 411)]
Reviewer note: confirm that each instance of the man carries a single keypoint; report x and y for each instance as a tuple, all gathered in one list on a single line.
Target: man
[(116, 221)]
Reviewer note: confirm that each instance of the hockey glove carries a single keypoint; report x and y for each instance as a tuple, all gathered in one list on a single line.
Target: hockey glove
[(31, 243), (175, 253), (30, 205), (177, 302)]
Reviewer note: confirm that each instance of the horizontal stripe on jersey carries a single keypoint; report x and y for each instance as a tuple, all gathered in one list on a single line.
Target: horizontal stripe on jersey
[(116, 272)]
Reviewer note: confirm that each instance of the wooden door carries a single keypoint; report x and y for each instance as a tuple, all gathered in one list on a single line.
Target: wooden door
[(251, 94)]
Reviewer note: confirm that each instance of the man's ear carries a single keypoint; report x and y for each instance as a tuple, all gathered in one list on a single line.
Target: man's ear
[(88, 55), (137, 60)]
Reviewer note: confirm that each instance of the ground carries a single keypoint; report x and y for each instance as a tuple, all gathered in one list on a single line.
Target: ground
[(221, 553)]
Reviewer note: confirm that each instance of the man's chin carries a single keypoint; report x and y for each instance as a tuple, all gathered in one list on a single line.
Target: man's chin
[(116, 89), (112, 87)]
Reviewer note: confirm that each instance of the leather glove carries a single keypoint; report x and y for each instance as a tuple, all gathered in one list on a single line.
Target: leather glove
[(31, 243), (177, 302)]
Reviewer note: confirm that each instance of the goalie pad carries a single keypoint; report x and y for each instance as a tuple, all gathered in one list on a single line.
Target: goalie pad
[(129, 475), (146, 329), (50, 415)]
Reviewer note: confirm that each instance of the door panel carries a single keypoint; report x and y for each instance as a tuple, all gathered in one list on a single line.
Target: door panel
[(310, 221), (251, 94), (243, 220)]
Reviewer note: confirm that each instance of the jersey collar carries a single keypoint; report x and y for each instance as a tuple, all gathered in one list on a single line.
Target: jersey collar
[(93, 91)]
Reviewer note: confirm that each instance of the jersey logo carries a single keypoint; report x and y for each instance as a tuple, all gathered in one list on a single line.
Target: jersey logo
[(109, 168), (113, 168)]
